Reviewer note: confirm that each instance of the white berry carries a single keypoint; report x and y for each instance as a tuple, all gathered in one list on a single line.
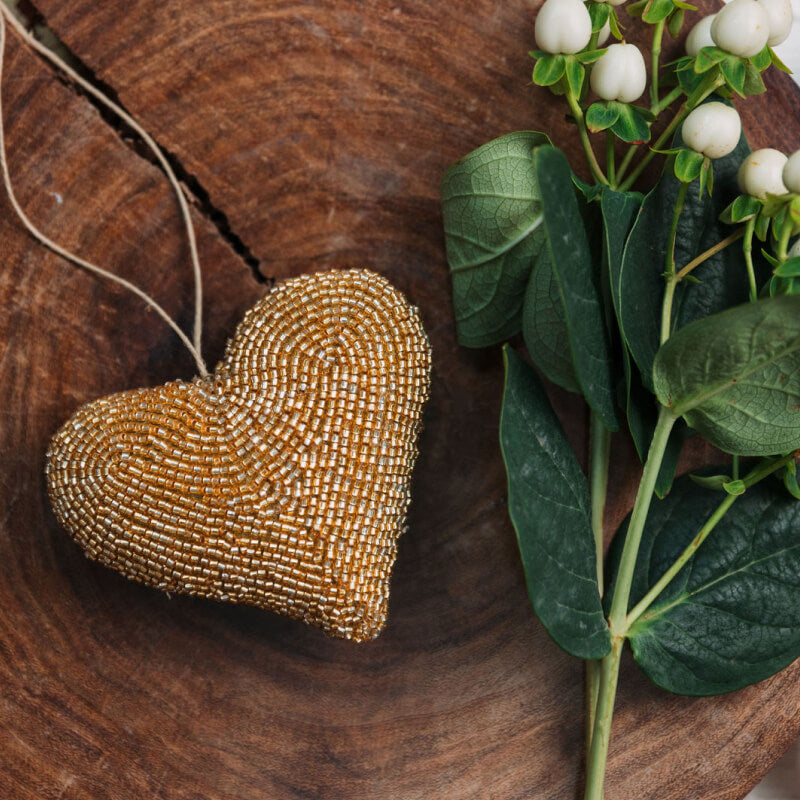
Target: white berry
[(761, 173), (741, 28), (712, 129), (700, 36), (791, 172), (563, 26), (620, 74), (604, 34), (780, 16)]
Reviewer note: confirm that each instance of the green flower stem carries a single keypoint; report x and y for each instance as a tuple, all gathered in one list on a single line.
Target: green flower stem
[(609, 669), (667, 100), (577, 113), (761, 471), (662, 583), (592, 687), (747, 248), (655, 57), (598, 751), (626, 162), (610, 171), (710, 84), (619, 604), (669, 267), (712, 251), (599, 453)]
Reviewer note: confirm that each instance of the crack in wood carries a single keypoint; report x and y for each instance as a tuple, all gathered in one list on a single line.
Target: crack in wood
[(197, 194)]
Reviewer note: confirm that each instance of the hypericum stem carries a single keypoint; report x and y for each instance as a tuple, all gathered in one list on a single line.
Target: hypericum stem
[(609, 670), (669, 266), (655, 57), (761, 471), (711, 83), (598, 752), (630, 550), (610, 170), (712, 251), (747, 248), (592, 688), (577, 113), (626, 162), (667, 100), (599, 452), (662, 583)]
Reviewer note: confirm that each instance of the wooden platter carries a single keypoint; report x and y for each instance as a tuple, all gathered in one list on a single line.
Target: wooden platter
[(312, 135)]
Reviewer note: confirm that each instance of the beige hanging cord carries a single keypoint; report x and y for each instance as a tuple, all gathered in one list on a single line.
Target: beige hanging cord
[(194, 346)]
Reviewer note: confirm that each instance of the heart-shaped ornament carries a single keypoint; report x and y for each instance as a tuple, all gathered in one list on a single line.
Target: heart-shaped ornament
[(282, 480)]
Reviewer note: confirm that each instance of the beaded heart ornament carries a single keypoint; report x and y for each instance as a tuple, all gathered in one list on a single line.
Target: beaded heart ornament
[(282, 479)]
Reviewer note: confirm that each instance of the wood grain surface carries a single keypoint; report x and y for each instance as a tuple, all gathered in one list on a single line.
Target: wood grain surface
[(315, 135)]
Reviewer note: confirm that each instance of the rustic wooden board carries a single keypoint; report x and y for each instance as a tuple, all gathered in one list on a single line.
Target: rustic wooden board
[(321, 131)]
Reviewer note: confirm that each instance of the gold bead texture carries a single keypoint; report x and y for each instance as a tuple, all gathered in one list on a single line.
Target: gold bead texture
[(282, 481)]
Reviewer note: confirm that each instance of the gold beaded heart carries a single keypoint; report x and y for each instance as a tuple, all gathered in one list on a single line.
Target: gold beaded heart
[(281, 481)]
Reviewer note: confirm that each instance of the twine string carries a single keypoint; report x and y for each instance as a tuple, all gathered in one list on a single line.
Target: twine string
[(193, 346)]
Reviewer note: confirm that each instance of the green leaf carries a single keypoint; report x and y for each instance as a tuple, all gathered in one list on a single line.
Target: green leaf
[(707, 176), (549, 69), (742, 208), (493, 232), (771, 259), (613, 23), (548, 501), (734, 487), (794, 213), (599, 13), (734, 70), (731, 617), (575, 275), (778, 63), (753, 82), (782, 223), (631, 125), (790, 480), (735, 377), (762, 228), (590, 56), (761, 60), (601, 115), (575, 73), (657, 10), (689, 79), (707, 58), (639, 286), (711, 481), (544, 326), (635, 9), (675, 22), (688, 163), (789, 269)]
